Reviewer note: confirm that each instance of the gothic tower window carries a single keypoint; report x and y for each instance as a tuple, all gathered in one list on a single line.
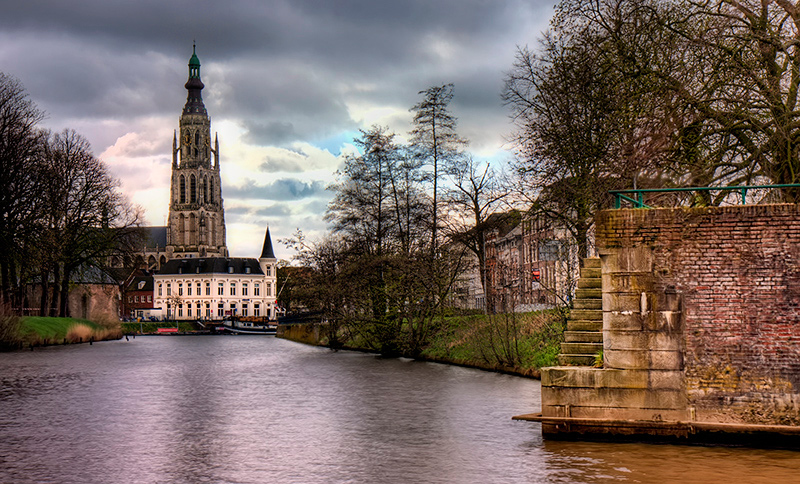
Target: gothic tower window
[(193, 190), (205, 189), (197, 138), (183, 189), (211, 190)]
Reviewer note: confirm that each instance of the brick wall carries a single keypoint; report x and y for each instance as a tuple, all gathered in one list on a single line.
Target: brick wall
[(736, 271)]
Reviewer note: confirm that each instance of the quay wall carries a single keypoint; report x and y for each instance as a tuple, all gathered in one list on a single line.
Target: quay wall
[(701, 322)]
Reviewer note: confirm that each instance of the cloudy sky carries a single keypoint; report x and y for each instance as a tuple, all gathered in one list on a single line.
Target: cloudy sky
[(288, 85)]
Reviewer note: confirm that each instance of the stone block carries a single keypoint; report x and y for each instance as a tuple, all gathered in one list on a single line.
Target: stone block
[(666, 321), (614, 397), (619, 413), (643, 359), (622, 301), (622, 320), (628, 282), (636, 259), (666, 379), (641, 340)]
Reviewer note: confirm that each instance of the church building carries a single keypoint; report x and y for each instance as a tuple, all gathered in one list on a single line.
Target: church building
[(194, 277)]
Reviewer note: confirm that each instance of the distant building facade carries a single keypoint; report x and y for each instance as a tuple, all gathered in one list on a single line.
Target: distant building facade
[(213, 288), (530, 266)]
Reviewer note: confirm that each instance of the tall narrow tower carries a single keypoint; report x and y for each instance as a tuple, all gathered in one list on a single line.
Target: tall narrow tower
[(196, 225)]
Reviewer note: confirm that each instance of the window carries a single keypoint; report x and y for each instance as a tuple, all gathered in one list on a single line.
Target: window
[(233, 308), (233, 288), (189, 310), (244, 309), (208, 289), (136, 298), (269, 271), (180, 310), (256, 289), (169, 290), (244, 289), (256, 309), (221, 289), (180, 289), (269, 289), (149, 298), (130, 299), (189, 289), (159, 289), (230, 270), (247, 270), (141, 285), (208, 310), (220, 310), (198, 289)]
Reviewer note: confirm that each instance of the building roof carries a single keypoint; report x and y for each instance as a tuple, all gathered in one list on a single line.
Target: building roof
[(212, 265), (155, 237), (141, 283), (266, 251)]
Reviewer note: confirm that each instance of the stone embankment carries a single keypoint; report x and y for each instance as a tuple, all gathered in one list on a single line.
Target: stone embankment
[(700, 330)]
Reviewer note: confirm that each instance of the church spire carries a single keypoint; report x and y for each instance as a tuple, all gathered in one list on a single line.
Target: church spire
[(194, 100), (266, 251)]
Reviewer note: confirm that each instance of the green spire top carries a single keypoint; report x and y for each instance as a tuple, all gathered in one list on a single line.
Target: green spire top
[(194, 63)]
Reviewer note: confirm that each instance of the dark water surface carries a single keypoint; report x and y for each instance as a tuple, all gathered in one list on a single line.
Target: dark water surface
[(255, 409)]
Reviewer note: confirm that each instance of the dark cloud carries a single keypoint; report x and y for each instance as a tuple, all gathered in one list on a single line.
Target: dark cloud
[(282, 189)]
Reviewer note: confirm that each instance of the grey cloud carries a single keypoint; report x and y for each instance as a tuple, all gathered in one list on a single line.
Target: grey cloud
[(282, 189)]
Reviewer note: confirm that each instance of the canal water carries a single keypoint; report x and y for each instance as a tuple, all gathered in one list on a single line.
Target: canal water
[(255, 409)]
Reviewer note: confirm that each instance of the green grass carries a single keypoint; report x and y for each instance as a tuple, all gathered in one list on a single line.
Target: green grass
[(50, 329), (522, 342)]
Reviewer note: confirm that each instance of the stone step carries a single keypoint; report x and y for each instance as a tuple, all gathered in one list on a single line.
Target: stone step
[(583, 325), (586, 283), (587, 314), (581, 348), (596, 293), (576, 360), (583, 336), (587, 303), (591, 262), (591, 273)]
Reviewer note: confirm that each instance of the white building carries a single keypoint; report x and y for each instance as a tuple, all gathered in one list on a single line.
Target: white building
[(212, 288)]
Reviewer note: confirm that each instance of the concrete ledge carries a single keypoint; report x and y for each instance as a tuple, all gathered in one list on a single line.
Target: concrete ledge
[(648, 414), (585, 377), (622, 398), (568, 428)]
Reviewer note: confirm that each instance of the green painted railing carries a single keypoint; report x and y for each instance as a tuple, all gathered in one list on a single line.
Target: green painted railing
[(636, 197)]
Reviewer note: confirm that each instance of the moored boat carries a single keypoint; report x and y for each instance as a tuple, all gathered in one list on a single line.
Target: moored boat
[(251, 325)]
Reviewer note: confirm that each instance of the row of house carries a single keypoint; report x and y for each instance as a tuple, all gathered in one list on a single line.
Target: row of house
[(530, 265)]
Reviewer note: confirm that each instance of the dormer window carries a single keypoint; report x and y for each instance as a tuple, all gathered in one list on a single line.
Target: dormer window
[(141, 285), (247, 270), (230, 269)]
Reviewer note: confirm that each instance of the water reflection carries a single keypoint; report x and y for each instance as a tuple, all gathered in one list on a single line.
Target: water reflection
[(255, 409)]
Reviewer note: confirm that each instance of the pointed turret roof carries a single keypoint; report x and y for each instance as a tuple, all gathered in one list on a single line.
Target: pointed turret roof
[(194, 100), (266, 251)]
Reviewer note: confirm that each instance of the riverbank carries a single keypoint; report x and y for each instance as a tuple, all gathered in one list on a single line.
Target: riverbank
[(42, 331), (516, 344)]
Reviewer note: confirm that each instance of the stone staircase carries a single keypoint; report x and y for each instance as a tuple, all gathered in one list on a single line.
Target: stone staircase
[(583, 339)]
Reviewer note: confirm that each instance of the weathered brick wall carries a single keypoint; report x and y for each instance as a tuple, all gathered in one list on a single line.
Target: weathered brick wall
[(737, 272)]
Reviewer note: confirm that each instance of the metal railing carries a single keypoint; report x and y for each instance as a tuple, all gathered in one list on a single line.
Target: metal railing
[(637, 194)]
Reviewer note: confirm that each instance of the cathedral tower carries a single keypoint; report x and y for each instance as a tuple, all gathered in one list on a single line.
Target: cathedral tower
[(196, 225)]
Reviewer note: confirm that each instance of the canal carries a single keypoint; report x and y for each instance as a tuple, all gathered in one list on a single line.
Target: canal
[(255, 409)]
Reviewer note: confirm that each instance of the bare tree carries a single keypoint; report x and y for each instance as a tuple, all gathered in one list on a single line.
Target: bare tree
[(20, 141), (434, 140)]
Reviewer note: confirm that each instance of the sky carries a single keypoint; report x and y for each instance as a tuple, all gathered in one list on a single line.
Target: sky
[(288, 85)]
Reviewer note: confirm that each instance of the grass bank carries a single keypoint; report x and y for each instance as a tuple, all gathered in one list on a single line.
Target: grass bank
[(520, 344), (38, 330)]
